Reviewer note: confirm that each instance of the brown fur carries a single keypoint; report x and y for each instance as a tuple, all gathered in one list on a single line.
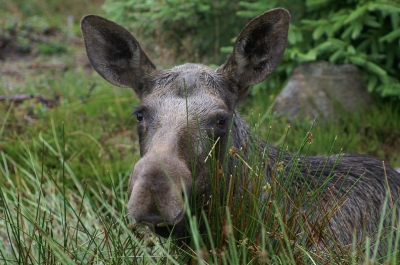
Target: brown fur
[(181, 107)]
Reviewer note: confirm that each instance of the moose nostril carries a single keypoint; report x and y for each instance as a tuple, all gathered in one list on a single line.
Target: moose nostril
[(149, 225), (150, 220), (163, 224)]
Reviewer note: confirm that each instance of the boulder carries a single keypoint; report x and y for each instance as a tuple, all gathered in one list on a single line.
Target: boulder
[(324, 91)]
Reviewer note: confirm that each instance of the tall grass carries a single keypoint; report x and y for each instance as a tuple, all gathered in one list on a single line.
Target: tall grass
[(249, 220), (45, 221), (53, 218), (63, 185), (374, 132), (63, 196)]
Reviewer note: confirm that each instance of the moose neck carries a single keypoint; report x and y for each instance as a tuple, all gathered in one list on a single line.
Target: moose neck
[(246, 143)]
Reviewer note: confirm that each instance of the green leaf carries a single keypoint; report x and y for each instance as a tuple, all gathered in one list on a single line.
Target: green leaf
[(351, 50), (203, 8), (311, 23), (387, 7), (392, 89), (346, 33), (247, 13), (316, 3), (371, 21), (395, 20), (295, 54), (375, 69), (336, 55), (360, 11), (372, 82), (391, 36), (389, 89), (292, 37), (332, 44), (311, 55), (227, 49), (357, 27), (319, 31)]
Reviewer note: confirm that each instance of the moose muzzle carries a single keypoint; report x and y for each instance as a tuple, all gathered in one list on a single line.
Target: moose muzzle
[(157, 193)]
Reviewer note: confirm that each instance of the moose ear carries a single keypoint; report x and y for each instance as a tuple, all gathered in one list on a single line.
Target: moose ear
[(115, 54), (258, 49)]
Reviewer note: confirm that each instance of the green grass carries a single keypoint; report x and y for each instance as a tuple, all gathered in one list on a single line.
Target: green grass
[(54, 11), (65, 169), (374, 132), (99, 132), (57, 217), (64, 172)]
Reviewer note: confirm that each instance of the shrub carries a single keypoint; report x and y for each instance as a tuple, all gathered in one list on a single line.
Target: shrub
[(191, 30), (361, 32)]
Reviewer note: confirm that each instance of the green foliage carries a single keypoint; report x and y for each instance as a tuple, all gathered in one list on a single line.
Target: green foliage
[(375, 132), (52, 10), (33, 34), (48, 218), (98, 126), (55, 47), (56, 217), (361, 32), (191, 29), (254, 214), (64, 171)]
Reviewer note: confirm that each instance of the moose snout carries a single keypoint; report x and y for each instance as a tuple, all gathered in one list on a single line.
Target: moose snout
[(157, 189)]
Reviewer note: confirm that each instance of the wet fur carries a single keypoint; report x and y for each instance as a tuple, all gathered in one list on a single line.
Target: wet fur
[(175, 103)]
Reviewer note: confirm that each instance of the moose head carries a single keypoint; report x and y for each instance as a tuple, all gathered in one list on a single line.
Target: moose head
[(180, 109)]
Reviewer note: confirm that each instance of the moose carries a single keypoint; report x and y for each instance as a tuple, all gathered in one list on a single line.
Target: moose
[(184, 106)]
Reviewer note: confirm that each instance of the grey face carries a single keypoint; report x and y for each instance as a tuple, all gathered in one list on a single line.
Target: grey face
[(181, 110), (185, 101), (176, 123)]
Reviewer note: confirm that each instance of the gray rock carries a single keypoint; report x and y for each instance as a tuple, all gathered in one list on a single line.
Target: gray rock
[(320, 89)]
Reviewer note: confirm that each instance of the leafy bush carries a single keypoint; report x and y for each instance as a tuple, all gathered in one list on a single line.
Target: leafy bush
[(191, 30), (361, 32)]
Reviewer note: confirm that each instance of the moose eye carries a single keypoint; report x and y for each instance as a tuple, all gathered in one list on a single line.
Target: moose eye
[(139, 116), (222, 121)]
